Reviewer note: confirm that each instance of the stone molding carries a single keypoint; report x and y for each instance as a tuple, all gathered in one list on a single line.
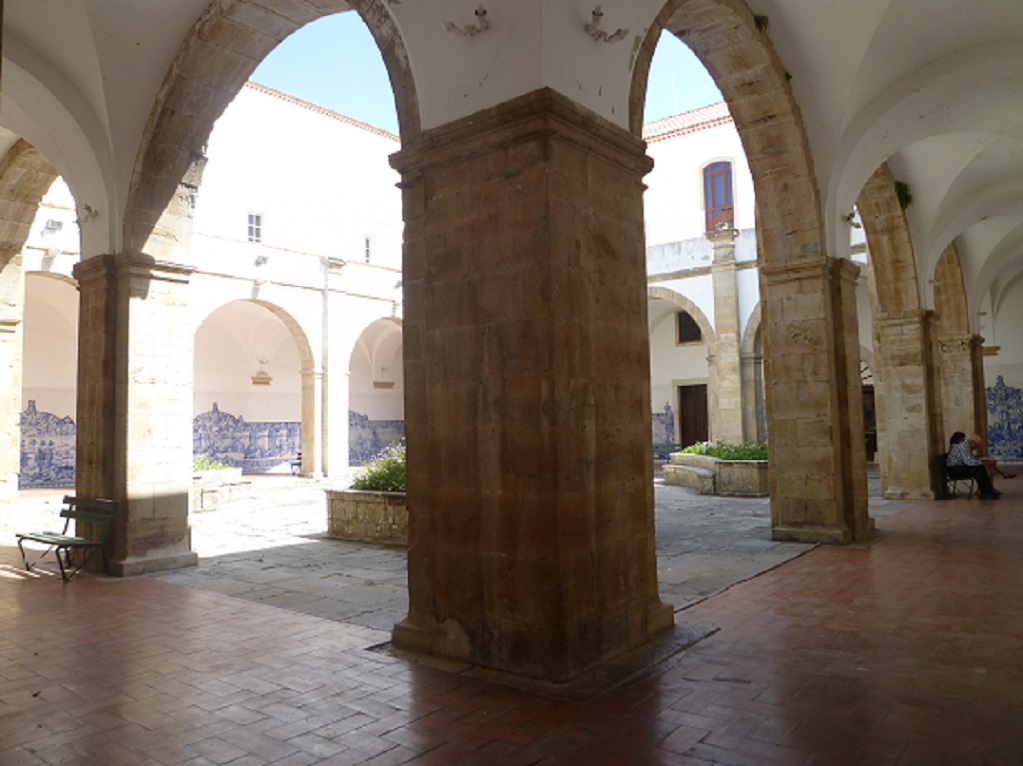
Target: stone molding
[(808, 266), (136, 265), (543, 113)]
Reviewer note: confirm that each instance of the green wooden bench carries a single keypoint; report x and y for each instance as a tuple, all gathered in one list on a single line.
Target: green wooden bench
[(98, 512)]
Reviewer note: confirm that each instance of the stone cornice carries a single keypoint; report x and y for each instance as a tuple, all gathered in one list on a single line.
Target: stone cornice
[(98, 266), (543, 113), (808, 266)]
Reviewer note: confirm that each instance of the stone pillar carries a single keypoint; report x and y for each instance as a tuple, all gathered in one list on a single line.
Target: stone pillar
[(726, 401), (12, 307), (312, 423), (912, 429), (814, 401), (964, 406), (135, 405), (752, 396), (336, 376), (530, 471)]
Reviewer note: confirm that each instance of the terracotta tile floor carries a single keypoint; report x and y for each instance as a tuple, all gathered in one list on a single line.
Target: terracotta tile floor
[(903, 651)]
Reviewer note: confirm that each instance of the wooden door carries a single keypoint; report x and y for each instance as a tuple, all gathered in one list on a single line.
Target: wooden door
[(692, 414)]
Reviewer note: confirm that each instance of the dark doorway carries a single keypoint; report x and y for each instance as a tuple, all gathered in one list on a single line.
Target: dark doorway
[(692, 411)]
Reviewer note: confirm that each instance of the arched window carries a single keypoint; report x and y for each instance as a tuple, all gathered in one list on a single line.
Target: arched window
[(717, 194), (688, 330)]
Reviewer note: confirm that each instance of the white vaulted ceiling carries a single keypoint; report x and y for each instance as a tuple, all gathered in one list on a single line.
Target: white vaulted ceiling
[(930, 86)]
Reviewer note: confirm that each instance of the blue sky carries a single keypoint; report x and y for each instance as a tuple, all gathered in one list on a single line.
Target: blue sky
[(335, 63)]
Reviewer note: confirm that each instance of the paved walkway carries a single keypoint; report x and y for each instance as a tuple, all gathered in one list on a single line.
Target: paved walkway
[(902, 651), (272, 550)]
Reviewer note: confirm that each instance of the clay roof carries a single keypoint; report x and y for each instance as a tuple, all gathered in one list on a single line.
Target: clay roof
[(321, 110), (688, 122)]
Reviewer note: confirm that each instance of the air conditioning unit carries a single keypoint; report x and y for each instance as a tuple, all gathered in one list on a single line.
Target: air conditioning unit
[(52, 225)]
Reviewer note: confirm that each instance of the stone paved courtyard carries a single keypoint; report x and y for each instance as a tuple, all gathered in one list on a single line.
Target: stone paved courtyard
[(271, 549)]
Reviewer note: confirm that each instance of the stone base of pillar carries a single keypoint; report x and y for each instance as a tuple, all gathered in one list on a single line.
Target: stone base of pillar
[(821, 534), (415, 643), (150, 564)]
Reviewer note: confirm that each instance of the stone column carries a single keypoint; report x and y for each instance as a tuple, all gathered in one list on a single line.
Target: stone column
[(135, 405), (530, 486), (964, 407), (336, 375), (726, 402), (909, 394), (12, 307), (312, 423), (814, 401), (752, 396)]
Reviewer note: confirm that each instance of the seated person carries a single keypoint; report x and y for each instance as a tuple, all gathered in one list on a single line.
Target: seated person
[(989, 462), (962, 464)]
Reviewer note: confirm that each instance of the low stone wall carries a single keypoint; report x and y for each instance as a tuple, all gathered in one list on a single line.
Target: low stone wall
[(216, 489), (711, 476), (364, 516)]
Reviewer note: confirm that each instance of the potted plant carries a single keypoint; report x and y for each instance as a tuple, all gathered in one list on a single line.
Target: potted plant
[(720, 468), (372, 509)]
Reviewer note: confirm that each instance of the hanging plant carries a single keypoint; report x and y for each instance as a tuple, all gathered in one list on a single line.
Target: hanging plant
[(904, 194)]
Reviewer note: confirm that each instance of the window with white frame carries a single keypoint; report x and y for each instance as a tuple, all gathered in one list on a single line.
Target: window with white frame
[(255, 227)]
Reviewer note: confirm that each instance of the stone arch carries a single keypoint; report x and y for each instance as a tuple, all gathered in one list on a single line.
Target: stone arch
[(684, 303), (751, 335), (25, 176), (902, 406), (892, 266), (740, 58), (294, 327), (214, 61), (960, 351), (376, 388), (751, 355), (808, 295), (310, 394), (950, 304)]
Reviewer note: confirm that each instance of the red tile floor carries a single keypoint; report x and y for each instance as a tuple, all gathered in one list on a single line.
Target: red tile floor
[(906, 650)]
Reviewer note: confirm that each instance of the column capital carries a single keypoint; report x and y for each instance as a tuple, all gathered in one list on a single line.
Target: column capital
[(909, 317), (809, 266), (723, 242), (966, 342), (134, 264), (541, 113)]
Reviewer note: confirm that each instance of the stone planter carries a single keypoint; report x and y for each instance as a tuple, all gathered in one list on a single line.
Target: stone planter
[(365, 516), (712, 476), (215, 489)]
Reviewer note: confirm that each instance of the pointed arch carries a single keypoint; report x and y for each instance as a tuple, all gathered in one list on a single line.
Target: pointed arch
[(216, 58), (739, 56), (892, 264), (25, 176), (950, 305)]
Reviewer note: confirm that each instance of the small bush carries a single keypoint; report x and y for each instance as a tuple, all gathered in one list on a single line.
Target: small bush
[(385, 472), (203, 463), (726, 451)]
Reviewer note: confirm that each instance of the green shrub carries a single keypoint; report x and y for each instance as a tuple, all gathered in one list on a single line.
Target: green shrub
[(385, 472), (726, 451), (203, 463)]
